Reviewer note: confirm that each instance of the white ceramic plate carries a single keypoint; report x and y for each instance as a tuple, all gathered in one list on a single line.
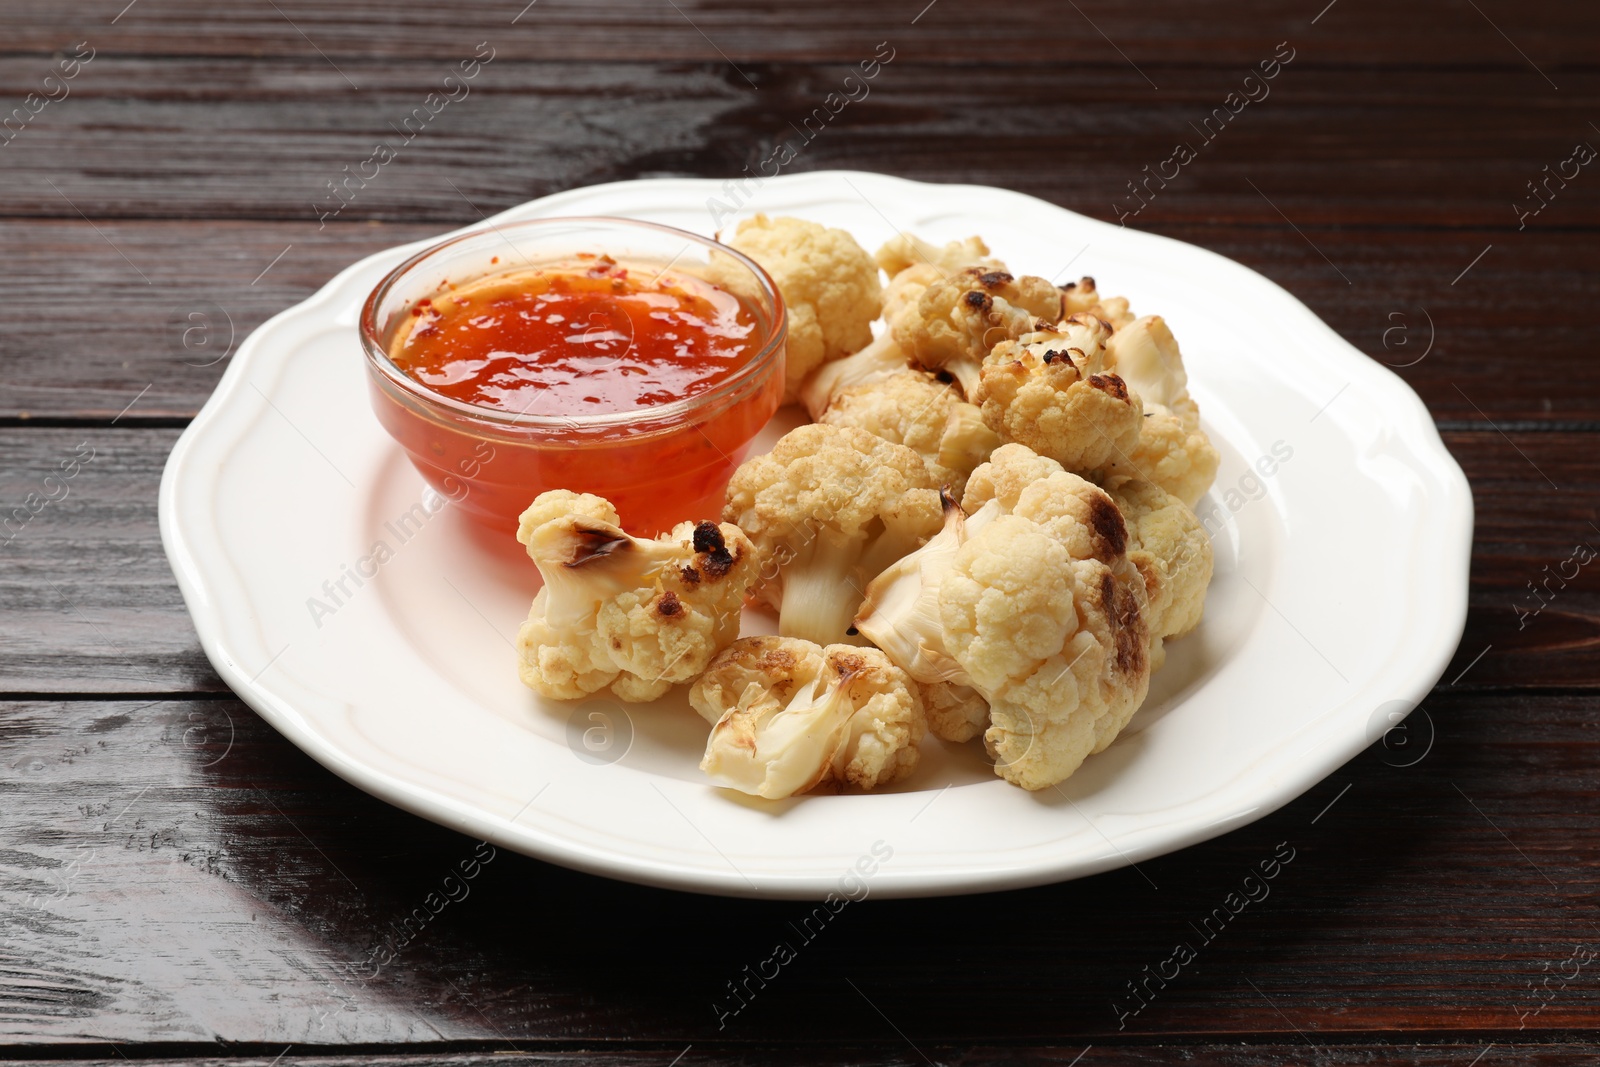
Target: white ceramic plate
[(1340, 592)]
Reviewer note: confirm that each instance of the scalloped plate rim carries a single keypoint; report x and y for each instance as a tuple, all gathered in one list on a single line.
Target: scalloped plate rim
[(1451, 511)]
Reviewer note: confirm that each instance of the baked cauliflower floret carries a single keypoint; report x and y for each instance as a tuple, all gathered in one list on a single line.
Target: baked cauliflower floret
[(1050, 390), (1170, 548), (908, 250), (956, 713), (906, 287), (1081, 516), (790, 715), (902, 613), (1082, 298), (901, 616), (828, 509), (635, 615), (1172, 450), (829, 284), (1057, 646), (960, 318), (915, 409), (1147, 356), (879, 359)]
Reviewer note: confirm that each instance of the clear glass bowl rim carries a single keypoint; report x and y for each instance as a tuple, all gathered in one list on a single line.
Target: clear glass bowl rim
[(378, 356)]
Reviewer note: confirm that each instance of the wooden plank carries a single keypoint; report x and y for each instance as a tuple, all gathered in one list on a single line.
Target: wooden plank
[(1326, 147), (92, 606), (174, 871), (1548, 33), (163, 345), (1530, 293), (902, 1055)]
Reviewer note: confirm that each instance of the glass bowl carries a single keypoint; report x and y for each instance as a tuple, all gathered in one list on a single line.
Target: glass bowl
[(659, 465)]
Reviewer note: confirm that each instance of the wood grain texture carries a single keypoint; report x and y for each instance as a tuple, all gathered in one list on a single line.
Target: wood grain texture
[(172, 335), (1358, 32), (901, 1054), (175, 871), (90, 603), (1345, 147)]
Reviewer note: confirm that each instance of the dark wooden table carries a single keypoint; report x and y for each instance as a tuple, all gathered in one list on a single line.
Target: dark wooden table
[(178, 884)]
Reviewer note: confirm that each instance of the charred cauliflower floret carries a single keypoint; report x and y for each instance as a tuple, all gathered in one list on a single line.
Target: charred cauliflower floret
[(879, 359), (908, 250), (960, 318), (1009, 632), (790, 715), (1081, 516), (1057, 646), (915, 409), (635, 615), (828, 509), (829, 284), (1158, 533), (1170, 548), (1082, 298), (902, 613), (1050, 390), (1172, 450)]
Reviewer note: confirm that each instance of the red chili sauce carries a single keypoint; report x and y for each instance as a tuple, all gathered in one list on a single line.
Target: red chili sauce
[(593, 339), (556, 342)]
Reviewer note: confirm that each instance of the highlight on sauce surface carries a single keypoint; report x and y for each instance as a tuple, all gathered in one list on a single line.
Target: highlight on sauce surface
[(590, 338)]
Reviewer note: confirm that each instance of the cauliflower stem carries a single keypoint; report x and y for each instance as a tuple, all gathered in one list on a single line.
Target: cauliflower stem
[(772, 750), (824, 581), (791, 715), (585, 563), (901, 611)]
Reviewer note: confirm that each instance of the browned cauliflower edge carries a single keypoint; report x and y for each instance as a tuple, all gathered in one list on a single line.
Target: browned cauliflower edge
[(1051, 390), (960, 318), (634, 615), (790, 716)]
